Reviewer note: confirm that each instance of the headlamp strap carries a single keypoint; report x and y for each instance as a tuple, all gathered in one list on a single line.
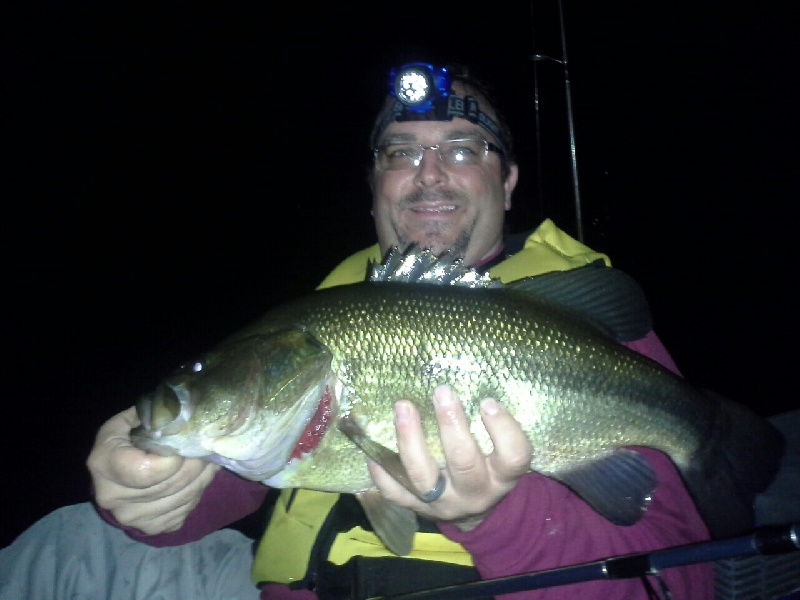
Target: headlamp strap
[(467, 108), (445, 110)]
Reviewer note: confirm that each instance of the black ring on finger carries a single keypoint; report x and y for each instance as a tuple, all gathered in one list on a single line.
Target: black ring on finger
[(436, 491)]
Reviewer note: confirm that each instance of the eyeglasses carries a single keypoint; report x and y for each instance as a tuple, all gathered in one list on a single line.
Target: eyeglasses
[(454, 153)]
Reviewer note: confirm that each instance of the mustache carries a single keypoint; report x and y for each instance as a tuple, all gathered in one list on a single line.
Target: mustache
[(422, 196)]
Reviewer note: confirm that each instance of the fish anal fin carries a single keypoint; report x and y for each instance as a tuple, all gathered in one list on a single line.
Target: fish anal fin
[(618, 486), (394, 525)]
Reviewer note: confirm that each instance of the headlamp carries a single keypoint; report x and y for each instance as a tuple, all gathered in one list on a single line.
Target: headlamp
[(423, 92), (418, 85)]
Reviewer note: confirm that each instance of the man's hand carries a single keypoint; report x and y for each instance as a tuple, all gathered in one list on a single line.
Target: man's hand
[(475, 483), (152, 493)]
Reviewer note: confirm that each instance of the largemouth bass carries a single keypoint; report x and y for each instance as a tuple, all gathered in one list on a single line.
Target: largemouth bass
[(266, 402)]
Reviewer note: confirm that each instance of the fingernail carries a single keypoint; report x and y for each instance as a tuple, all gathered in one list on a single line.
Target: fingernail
[(443, 395), (490, 406), (402, 411)]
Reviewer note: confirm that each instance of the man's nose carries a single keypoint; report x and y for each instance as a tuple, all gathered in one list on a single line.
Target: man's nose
[(431, 167)]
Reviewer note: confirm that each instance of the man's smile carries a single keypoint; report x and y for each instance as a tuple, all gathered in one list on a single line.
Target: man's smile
[(439, 208)]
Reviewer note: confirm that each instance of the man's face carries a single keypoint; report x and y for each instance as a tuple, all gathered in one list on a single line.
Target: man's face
[(438, 206)]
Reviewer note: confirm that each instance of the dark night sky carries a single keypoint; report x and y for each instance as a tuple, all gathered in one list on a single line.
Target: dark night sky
[(169, 173)]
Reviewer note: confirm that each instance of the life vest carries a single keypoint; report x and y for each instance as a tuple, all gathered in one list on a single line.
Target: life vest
[(318, 539)]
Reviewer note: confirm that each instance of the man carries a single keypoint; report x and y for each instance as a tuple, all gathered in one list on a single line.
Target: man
[(443, 176)]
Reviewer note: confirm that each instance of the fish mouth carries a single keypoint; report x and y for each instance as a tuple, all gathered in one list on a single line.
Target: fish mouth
[(163, 412), (245, 409)]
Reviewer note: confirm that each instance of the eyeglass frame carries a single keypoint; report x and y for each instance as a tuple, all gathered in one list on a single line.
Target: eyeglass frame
[(487, 145)]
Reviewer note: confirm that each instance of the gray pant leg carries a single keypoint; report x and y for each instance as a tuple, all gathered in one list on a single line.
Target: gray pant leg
[(73, 554), (779, 504)]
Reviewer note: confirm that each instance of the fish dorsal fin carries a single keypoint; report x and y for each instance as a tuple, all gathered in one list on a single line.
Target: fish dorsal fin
[(606, 296), (417, 265), (395, 526), (618, 486)]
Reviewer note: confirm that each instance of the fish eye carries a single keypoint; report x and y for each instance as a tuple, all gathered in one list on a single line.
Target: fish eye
[(192, 366)]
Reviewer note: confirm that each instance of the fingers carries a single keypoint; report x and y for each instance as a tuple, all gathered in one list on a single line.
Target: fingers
[(465, 460), (152, 493), (159, 513), (115, 458), (511, 458), (474, 482), (420, 466)]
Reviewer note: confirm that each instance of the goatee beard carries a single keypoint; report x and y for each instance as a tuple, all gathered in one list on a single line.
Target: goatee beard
[(457, 249)]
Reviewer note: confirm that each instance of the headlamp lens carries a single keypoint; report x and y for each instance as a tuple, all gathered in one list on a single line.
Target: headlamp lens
[(412, 87), (418, 85)]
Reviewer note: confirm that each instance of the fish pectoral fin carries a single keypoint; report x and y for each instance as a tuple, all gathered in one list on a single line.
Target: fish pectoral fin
[(618, 486), (394, 525), (385, 457)]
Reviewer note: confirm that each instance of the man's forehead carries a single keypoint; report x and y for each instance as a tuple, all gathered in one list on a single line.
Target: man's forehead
[(413, 131)]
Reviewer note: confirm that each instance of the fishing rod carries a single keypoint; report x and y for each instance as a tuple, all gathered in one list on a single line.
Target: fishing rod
[(570, 119), (766, 540)]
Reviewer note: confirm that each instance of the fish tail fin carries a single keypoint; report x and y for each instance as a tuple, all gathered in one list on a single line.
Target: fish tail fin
[(740, 460)]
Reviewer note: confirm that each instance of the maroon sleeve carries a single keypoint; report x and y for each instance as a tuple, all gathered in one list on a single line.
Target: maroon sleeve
[(227, 499), (542, 525)]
